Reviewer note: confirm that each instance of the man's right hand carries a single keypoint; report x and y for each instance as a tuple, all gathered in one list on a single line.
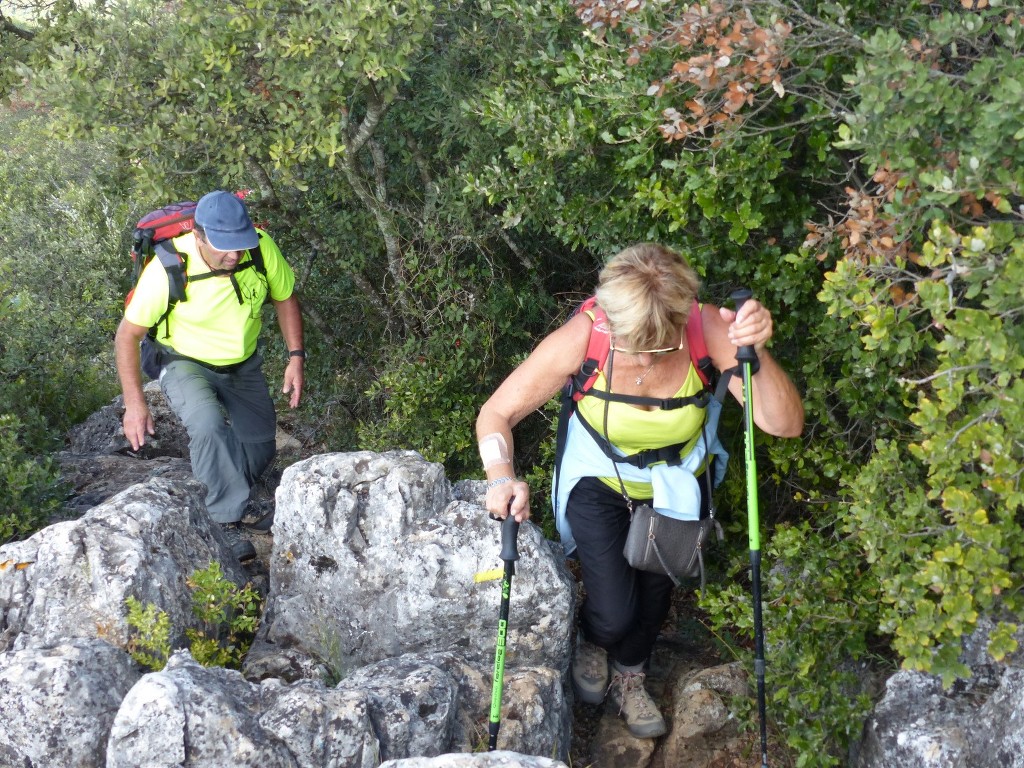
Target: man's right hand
[(138, 422)]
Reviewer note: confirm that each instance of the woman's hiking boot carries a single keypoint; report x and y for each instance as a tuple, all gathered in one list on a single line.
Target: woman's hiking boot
[(635, 705), (590, 671)]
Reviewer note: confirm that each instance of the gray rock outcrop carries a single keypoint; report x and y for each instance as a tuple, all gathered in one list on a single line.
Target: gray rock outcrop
[(498, 759), (373, 559), (58, 703), (977, 723), (187, 714), (372, 586), (72, 578), (376, 645)]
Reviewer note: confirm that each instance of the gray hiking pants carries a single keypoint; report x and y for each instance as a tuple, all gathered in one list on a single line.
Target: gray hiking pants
[(231, 427)]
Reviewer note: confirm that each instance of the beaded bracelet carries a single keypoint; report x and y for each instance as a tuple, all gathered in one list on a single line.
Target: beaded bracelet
[(498, 481)]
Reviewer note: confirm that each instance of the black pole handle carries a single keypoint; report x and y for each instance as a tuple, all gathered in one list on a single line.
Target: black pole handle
[(509, 536), (746, 353)]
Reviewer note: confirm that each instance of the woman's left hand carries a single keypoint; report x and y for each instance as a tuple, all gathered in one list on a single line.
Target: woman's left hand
[(751, 326)]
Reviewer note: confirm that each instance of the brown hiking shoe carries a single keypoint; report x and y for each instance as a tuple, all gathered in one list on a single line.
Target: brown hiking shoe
[(635, 705), (590, 671)]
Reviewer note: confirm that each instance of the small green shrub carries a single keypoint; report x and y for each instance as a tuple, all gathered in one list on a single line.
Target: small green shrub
[(228, 616), (150, 645)]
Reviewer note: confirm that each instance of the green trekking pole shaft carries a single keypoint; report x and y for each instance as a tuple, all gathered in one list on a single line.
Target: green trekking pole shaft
[(509, 553), (746, 356)]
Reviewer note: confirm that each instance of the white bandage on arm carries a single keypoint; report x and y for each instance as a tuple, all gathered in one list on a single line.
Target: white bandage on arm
[(494, 450)]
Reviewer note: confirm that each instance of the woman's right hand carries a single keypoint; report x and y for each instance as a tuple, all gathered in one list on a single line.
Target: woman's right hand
[(509, 497)]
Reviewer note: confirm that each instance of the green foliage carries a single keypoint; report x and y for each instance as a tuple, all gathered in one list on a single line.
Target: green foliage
[(228, 617), (936, 508), (62, 267), (30, 489), (150, 644), (818, 611), (269, 84), (958, 496), (432, 386)]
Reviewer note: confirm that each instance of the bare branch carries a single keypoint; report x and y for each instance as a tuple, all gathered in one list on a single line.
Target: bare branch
[(6, 25)]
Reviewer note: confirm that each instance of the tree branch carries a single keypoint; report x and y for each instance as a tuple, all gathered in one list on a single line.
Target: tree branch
[(376, 203), (6, 25)]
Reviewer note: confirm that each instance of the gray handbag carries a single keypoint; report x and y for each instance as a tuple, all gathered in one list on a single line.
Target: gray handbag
[(665, 545)]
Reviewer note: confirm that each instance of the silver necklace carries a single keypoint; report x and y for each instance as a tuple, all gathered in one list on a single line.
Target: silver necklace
[(642, 376)]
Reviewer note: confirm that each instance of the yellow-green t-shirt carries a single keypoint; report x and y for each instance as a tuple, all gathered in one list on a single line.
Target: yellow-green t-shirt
[(211, 325), (632, 429)]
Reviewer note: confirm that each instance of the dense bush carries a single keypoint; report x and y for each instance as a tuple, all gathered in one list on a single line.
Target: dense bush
[(30, 488), (63, 269), (61, 272)]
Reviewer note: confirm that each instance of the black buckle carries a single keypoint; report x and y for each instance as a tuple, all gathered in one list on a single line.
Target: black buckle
[(669, 454)]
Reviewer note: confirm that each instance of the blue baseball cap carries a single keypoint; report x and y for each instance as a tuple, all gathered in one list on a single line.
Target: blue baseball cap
[(226, 222)]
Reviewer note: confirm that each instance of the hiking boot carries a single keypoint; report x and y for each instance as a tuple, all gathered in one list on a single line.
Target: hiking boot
[(635, 705), (261, 524), (590, 671), (241, 547), (258, 515)]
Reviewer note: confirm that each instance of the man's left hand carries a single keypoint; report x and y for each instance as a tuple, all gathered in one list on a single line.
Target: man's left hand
[(293, 381)]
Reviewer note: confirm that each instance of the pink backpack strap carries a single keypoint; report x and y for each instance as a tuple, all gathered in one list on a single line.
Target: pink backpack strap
[(597, 348), (695, 341)]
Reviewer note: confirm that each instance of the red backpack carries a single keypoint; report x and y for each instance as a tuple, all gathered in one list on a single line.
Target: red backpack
[(600, 345)]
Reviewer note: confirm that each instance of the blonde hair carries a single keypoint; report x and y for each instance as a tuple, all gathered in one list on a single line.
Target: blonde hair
[(647, 291)]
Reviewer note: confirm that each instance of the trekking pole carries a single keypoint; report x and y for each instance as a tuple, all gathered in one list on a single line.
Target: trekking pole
[(509, 553), (746, 356)]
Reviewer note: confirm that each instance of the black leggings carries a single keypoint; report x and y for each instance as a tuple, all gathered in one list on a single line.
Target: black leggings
[(624, 608)]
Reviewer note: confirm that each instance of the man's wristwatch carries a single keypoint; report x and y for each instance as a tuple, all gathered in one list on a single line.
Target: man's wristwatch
[(297, 353)]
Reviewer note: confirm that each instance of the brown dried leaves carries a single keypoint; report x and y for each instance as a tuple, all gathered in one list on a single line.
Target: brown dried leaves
[(729, 59)]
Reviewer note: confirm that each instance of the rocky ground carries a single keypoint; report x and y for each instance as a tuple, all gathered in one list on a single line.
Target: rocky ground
[(600, 739), (684, 646)]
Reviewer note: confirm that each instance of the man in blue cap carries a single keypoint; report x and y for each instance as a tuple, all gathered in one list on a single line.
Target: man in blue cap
[(211, 372)]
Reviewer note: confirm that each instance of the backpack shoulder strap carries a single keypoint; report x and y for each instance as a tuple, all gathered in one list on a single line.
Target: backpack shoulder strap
[(579, 383), (600, 344), (256, 256), (174, 265), (597, 349), (700, 357), (695, 342)]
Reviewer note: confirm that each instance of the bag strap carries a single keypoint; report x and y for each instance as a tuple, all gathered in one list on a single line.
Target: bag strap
[(604, 442), (174, 265), (642, 459), (255, 262)]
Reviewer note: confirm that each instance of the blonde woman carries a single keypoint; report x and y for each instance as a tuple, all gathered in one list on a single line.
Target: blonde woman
[(647, 292)]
